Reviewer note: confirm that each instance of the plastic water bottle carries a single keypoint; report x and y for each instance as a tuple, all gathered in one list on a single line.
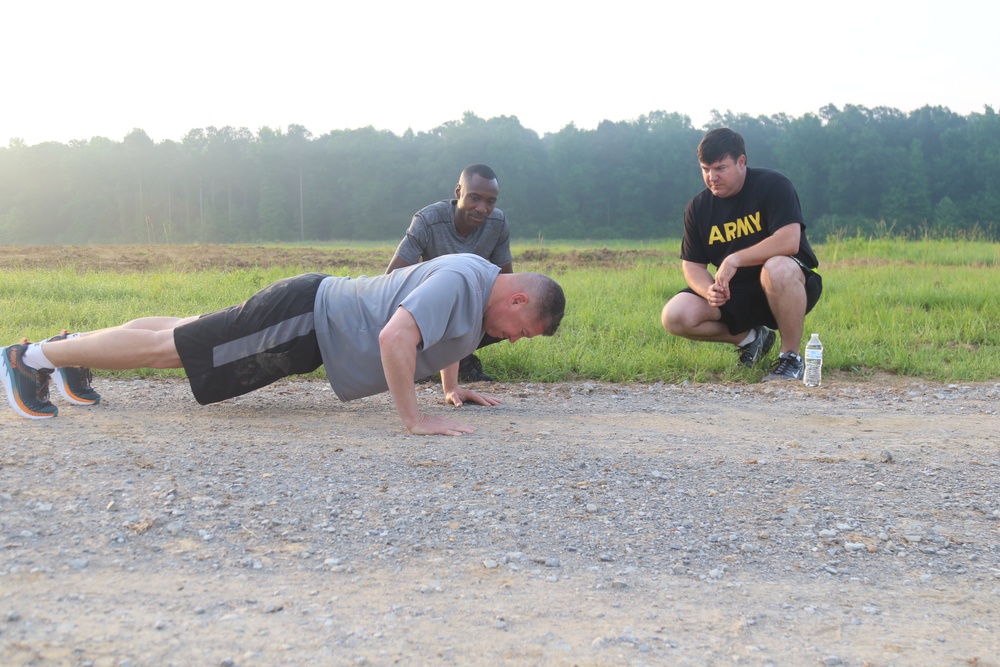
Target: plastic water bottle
[(813, 376)]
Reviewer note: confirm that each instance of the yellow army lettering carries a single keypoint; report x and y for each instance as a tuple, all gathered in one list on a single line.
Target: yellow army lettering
[(742, 227)]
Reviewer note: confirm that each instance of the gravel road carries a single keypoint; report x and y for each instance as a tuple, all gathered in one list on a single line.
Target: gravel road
[(582, 524)]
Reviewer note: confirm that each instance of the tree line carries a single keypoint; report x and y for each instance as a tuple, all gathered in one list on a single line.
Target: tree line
[(857, 170)]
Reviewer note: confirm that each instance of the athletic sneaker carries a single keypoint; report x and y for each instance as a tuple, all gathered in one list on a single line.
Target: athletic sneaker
[(789, 367), (470, 369), (27, 389), (758, 348), (74, 382)]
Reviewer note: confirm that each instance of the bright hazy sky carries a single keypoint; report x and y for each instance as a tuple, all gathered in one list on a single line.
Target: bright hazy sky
[(74, 70)]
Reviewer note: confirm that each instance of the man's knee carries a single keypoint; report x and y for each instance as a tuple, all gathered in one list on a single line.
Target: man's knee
[(665, 317), (679, 314), (164, 350), (781, 271)]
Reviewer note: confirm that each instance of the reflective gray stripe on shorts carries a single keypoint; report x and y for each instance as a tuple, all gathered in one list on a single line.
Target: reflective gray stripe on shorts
[(264, 340)]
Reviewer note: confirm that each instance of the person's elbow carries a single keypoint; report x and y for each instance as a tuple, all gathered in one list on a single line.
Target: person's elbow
[(400, 333), (396, 262), (390, 338), (790, 237)]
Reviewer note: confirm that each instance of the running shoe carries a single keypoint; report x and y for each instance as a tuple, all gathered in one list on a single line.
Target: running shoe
[(758, 348), (74, 382), (789, 367), (27, 389)]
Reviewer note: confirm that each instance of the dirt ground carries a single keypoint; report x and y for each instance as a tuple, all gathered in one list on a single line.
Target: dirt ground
[(581, 524)]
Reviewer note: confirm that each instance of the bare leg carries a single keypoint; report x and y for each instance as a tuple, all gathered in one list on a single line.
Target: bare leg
[(143, 343), (145, 324), (785, 286), (689, 316)]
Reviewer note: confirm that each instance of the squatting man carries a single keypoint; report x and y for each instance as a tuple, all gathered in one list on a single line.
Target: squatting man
[(372, 334), (748, 223)]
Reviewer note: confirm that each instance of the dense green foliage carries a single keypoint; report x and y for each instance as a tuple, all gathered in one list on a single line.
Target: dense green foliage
[(929, 172)]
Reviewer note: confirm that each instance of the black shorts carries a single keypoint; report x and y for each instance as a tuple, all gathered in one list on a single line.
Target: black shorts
[(748, 308), (238, 349)]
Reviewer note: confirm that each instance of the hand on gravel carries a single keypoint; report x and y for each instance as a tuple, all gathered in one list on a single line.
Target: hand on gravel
[(431, 425), (460, 395)]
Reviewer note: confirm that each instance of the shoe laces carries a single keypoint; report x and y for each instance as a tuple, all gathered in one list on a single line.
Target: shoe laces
[(84, 376), (42, 382), (42, 390), (786, 364)]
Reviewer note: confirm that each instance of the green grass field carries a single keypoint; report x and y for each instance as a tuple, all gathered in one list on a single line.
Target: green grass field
[(926, 309)]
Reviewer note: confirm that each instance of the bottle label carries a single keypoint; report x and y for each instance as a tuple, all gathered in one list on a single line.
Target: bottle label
[(814, 354)]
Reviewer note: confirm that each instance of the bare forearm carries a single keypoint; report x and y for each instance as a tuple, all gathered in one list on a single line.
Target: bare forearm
[(449, 378), (784, 242), (698, 277), (396, 262), (398, 346), (398, 366)]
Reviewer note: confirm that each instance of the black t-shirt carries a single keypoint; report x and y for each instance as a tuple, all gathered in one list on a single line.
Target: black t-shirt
[(715, 227)]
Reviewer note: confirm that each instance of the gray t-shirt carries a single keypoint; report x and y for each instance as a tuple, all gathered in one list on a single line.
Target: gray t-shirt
[(432, 233), (446, 296)]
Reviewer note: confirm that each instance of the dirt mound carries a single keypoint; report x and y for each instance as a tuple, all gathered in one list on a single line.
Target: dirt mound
[(186, 258)]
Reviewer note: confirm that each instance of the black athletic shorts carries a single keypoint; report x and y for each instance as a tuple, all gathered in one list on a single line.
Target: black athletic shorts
[(242, 348), (748, 308)]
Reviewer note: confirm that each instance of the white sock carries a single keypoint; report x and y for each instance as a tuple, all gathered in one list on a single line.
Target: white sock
[(35, 358), (751, 337)]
